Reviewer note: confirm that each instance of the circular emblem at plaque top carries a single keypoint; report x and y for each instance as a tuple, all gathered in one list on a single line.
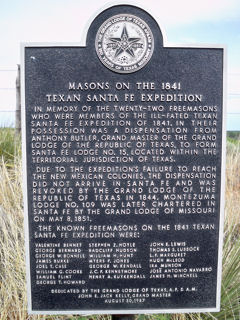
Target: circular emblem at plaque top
[(124, 43)]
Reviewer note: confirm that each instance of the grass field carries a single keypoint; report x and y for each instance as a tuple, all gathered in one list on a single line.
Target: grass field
[(12, 254)]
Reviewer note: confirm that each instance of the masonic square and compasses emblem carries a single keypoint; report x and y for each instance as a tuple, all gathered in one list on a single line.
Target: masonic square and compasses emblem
[(124, 43)]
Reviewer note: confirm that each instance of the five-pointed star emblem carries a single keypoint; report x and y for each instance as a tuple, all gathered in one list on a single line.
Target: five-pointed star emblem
[(124, 43)]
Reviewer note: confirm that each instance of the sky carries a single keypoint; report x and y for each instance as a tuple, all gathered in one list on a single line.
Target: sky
[(182, 22)]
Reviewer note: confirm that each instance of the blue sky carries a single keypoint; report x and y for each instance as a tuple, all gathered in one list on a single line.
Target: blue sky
[(183, 22), (212, 32)]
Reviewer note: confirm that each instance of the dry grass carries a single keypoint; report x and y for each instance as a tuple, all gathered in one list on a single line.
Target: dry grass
[(12, 261), (232, 214), (12, 268)]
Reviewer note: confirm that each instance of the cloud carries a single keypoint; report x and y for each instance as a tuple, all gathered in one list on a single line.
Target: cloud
[(65, 20), (186, 11)]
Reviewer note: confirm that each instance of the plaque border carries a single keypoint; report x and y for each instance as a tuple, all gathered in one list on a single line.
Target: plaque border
[(25, 193)]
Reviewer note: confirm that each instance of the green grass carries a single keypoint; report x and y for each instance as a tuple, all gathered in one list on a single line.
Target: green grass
[(235, 135), (10, 145)]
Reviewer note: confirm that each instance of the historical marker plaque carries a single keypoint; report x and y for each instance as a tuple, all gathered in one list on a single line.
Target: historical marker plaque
[(123, 171)]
